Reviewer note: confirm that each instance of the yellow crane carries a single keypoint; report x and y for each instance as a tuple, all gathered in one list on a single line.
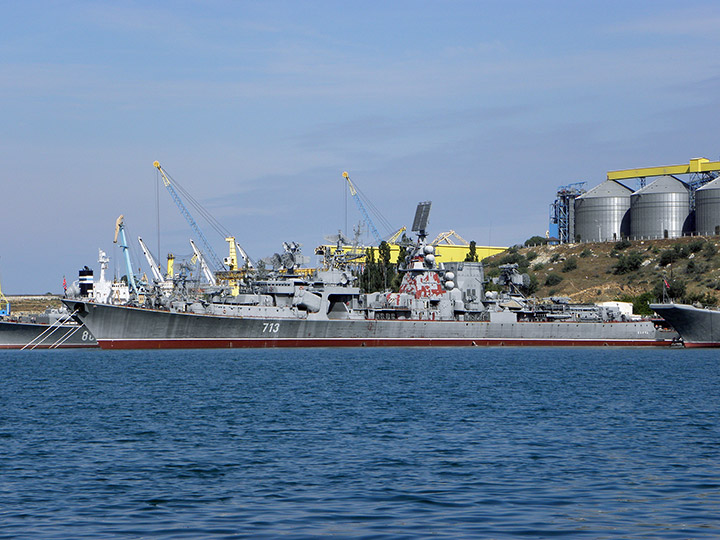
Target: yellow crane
[(6, 309), (447, 237), (696, 165), (396, 235)]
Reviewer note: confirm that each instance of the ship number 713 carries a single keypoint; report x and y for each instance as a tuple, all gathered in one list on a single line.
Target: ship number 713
[(271, 327)]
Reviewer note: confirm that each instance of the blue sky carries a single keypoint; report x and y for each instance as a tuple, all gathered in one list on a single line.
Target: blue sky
[(256, 108)]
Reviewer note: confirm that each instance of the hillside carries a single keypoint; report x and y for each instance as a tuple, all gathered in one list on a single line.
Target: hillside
[(629, 271), (30, 304)]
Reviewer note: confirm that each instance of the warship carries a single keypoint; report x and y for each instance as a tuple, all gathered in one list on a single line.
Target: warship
[(438, 304), (697, 327), (53, 329), (50, 330)]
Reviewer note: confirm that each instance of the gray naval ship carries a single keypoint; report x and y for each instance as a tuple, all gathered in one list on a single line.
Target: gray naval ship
[(53, 329), (698, 327), (437, 305)]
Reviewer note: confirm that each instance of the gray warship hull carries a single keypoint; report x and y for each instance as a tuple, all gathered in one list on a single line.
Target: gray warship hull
[(19, 335), (697, 327), (125, 327)]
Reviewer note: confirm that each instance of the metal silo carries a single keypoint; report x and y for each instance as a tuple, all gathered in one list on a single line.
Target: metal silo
[(603, 213), (707, 208), (661, 209)]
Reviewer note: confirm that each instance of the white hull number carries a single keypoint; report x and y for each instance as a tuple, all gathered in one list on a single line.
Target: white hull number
[(271, 328)]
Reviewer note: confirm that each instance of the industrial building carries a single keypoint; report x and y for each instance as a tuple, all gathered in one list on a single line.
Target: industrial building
[(668, 207)]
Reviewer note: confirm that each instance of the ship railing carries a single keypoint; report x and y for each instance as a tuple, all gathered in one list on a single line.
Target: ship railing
[(49, 331)]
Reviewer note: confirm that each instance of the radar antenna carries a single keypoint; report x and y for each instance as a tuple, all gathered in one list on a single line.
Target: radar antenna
[(421, 218)]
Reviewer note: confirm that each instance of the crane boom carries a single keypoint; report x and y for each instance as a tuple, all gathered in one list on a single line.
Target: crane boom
[(188, 217), (446, 237), (393, 238), (209, 276), (153, 265), (120, 230), (244, 255), (697, 165), (3, 300), (361, 207)]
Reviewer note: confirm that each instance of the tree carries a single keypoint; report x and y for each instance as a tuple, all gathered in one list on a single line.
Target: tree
[(628, 263), (377, 275), (536, 241), (472, 255), (675, 289), (387, 269)]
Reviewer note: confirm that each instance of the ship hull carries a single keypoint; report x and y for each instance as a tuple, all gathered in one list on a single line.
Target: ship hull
[(18, 335), (697, 327), (122, 327)]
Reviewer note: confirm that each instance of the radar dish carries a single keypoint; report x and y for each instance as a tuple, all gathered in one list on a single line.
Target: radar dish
[(421, 216), (337, 238)]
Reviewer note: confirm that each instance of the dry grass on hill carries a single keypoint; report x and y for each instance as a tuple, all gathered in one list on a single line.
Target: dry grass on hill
[(33, 304), (596, 272)]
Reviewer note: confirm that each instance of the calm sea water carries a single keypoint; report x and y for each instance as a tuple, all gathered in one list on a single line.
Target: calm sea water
[(401, 443)]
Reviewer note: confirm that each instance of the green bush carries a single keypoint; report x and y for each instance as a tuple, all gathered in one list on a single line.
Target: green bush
[(533, 286), (641, 303), (552, 279), (570, 264), (628, 263), (676, 289), (622, 244), (710, 250), (585, 253), (682, 251), (668, 256), (513, 258), (695, 268)]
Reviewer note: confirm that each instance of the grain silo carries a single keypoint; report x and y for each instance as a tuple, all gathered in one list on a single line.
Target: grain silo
[(661, 210), (603, 213), (707, 208)]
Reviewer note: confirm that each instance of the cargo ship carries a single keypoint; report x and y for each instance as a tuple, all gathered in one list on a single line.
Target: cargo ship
[(698, 327), (438, 304)]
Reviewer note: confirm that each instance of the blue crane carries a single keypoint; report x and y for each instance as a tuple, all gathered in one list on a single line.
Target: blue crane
[(184, 211), (120, 229), (361, 207)]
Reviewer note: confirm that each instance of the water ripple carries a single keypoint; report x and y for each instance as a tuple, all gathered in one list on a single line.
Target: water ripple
[(511, 443)]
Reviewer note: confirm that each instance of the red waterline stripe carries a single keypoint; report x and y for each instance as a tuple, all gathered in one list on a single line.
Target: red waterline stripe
[(358, 342), (701, 344)]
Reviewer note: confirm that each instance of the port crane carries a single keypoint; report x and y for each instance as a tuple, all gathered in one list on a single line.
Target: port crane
[(361, 207), (4, 300), (394, 236), (120, 231), (157, 274), (447, 237), (701, 171), (209, 276), (696, 166), (188, 217)]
